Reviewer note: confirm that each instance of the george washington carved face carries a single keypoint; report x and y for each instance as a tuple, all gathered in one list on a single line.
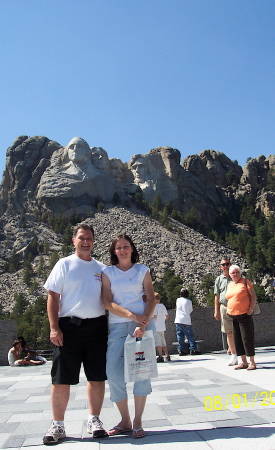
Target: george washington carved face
[(78, 150)]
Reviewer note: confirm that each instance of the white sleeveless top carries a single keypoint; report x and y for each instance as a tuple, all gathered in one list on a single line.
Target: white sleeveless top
[(11, 358), (127, 289)]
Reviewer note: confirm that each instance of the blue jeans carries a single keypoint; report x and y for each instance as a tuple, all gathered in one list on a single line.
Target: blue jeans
[(182, 331), (115, 362)]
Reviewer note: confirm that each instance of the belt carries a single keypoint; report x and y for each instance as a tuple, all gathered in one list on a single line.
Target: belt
[(76, 320)]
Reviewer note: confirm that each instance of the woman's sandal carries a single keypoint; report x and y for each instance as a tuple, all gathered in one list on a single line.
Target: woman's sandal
[(138, 433), (242, 366), (252, 366), (118, 430)]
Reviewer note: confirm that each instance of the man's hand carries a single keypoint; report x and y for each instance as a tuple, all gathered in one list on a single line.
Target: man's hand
[(217, 315), (56, 337)]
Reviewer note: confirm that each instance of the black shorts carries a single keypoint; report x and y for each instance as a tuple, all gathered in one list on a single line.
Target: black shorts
[(85, 343)]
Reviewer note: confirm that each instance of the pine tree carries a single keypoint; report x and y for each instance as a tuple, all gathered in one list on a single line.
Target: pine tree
[(20, 305), (27, 272), (53, 259)]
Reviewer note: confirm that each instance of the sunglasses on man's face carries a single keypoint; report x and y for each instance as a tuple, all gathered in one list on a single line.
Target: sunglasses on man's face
[(225, 264)]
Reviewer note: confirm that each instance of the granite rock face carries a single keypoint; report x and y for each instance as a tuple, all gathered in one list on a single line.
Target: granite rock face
[(27, 159), (41, 173), (255, 173), (160, 172)]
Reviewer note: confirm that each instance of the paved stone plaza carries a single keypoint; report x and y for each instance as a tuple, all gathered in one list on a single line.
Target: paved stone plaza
[(197, 402)]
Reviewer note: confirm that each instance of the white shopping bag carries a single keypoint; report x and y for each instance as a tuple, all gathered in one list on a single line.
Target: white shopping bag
[(140, 358)]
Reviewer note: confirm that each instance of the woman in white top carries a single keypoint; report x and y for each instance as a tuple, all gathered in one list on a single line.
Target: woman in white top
[(14, 356), (123, 287)]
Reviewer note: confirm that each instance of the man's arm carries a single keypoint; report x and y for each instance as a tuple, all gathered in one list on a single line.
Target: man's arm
[(150, 305), (165, 312), (56, 335), (149, 291), (217, 314)]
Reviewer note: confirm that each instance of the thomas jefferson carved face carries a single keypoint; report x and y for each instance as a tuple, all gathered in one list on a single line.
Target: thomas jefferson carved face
[(100, 158), (78, 150)]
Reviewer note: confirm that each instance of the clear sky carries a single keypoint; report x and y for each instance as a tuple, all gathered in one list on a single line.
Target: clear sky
[(131, 75)]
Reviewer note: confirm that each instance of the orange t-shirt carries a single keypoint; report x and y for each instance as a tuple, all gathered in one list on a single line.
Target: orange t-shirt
[(238, 298)]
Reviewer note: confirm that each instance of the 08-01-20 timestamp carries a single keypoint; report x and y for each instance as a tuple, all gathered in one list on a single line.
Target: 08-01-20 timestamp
[(219, 403)]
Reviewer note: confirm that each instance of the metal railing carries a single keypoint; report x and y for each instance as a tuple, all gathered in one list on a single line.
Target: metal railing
[(46, 353)]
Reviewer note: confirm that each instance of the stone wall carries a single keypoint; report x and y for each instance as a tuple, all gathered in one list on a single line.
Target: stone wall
[(208, 329), (7, 336)]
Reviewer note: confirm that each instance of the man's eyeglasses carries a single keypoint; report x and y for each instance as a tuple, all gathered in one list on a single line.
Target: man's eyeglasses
[(225, 264)]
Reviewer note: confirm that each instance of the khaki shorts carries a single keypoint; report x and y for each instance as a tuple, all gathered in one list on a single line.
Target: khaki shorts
[(160, 339), (226, 321)]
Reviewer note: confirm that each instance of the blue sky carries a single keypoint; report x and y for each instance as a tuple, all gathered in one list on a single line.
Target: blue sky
[(130, 75)]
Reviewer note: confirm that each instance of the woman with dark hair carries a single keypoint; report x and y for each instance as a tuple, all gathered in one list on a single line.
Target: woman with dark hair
[(241, 302), (30, 355), (14, 356), (124, 284)]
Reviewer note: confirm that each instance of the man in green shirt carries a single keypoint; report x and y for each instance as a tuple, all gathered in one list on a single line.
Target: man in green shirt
[(220, 313)]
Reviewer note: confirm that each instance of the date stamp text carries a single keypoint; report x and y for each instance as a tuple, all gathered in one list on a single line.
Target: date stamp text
[(219, 403)]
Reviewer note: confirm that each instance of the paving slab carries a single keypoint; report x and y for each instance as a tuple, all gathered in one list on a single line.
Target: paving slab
[(197, 402)]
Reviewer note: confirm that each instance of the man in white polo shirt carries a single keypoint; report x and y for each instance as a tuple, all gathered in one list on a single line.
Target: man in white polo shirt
[(78, 329)]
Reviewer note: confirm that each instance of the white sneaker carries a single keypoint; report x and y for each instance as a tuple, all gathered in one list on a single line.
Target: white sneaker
[(233, 361), (54, 434), (95, 427)]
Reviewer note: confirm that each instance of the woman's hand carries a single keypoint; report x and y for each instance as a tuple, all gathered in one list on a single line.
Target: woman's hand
[(249, 311), (139, 332), (141, 319)]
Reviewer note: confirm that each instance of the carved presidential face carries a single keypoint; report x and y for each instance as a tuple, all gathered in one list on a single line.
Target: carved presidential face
[(100, 158), (78, 150), (116, 166), (140, 169), (171, 160)]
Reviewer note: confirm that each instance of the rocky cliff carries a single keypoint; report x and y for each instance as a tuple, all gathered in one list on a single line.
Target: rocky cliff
[(42, 176), (41, 173), (188, 253)]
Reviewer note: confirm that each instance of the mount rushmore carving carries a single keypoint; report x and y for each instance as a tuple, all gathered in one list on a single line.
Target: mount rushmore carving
[(41, 173)]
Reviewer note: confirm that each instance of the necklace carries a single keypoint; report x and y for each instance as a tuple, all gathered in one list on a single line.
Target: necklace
[(125, 272)]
